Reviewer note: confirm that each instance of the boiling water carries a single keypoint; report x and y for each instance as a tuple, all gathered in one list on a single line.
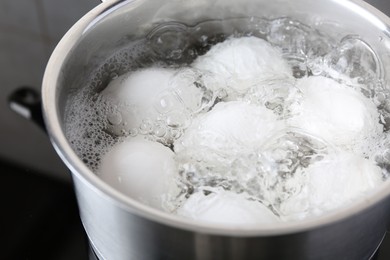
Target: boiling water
[(240, 121)]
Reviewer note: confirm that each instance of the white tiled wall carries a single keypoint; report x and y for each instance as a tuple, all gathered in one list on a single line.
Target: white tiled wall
[(29, 30)]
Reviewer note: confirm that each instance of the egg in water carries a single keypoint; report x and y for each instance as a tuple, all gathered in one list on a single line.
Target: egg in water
[(338, 179), (140, 169), (335, 112), (240, 63), (230, 126), (225, 207)]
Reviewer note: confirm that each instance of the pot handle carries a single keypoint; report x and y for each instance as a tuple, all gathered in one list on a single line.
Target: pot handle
[(26, 102)]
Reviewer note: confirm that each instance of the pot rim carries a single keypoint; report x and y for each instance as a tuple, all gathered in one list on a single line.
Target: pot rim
[(81, 171)]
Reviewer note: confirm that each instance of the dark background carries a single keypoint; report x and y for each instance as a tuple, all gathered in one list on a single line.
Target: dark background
[(39, 218)]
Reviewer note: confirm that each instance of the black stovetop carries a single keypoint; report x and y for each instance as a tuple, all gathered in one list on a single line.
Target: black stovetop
[(39, 217)]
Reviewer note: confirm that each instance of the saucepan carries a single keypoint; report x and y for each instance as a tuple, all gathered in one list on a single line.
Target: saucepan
[(119, 227)]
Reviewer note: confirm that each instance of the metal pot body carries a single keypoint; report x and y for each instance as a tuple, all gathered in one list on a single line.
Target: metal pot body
[(117, 234), (120, 228)]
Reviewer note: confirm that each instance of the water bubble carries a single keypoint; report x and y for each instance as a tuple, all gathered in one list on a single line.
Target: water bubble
[(114, 118), (175, 133), (160, 131), (300, 70), (114, 76), (166, 101), (187, 88), (289, 35), (177, 119), (169, 40), (354, 58), (146, 126), (222, 94), (203, 40), (133, 132)]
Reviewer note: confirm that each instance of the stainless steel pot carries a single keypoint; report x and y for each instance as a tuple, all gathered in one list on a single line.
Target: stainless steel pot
[(121, 228)]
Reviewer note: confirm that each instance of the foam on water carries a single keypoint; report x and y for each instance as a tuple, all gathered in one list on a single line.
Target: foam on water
[(244, 120)]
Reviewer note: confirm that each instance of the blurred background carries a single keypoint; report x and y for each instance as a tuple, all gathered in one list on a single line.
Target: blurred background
[(40, 220), (29, 32), (39, 217)]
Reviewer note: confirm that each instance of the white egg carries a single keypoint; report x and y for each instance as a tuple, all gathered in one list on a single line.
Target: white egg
[(229, 126), (341, 179), (225, 207), (337, 180), (133, 94), (141, 169), (242, 62), (335, 112), (142, 97)]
